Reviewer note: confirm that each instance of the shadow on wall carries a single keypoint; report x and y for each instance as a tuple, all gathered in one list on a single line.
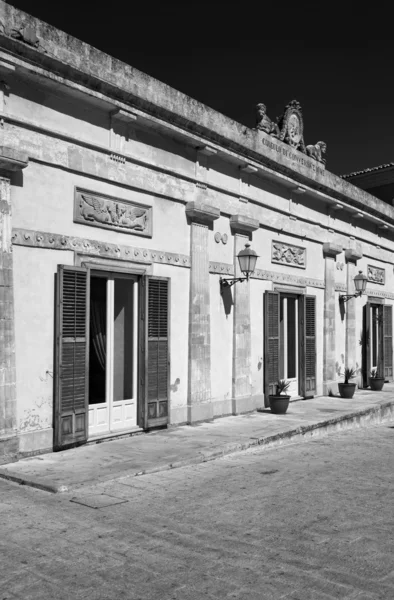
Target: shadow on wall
[(227, 297), (174, 386)]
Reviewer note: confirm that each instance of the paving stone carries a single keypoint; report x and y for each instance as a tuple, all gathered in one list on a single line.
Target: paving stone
[(98, 500)]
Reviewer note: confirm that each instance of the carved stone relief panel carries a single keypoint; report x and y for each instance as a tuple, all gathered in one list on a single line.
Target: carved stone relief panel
[(376, 275), (97, 210), (288, 254)]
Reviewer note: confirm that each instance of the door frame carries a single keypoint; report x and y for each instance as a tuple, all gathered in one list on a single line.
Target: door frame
[(110, 275), (306, 341), (297, 325), (367, 338), (99, 267)]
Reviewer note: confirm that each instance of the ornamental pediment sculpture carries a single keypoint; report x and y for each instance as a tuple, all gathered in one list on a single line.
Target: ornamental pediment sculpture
[(288, 254), (289, 128), (111, 213), (376, 275)]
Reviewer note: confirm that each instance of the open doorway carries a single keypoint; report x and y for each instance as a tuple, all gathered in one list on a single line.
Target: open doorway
[(289, 336), (113, 353), (289, 343)]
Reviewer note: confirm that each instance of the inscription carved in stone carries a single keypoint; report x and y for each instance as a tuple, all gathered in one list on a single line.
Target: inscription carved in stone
[(287, 254), (376, 275), (110, 213)]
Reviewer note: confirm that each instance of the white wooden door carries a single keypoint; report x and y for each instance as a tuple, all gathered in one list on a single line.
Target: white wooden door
[(289, 342), (113, 401)]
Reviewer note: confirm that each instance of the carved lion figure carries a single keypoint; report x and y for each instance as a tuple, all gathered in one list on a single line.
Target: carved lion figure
[(264, 123), (316, 151)]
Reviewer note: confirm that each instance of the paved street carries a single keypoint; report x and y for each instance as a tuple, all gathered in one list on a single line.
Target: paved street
[(307, 521)]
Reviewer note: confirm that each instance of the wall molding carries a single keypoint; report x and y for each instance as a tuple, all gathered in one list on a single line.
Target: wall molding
[(73, 141), (221, 268), (56, 241), (341, 287)]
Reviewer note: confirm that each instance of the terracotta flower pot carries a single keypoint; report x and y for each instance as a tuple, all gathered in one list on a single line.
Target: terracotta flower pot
[(279, 404), (376, 383), (347, 390)]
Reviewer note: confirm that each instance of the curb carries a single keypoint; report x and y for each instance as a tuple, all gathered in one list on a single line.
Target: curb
[(357, 420)]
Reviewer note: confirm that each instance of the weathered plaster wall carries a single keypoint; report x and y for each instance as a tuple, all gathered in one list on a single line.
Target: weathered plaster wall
[(221, 349), (52, 192), (156, 166), (58, 112), (34, 331)]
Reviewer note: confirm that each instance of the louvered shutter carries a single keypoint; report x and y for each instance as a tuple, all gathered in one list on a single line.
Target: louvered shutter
[(271, 344), (307, 356), (156, 347), (71, 360), (388, 341), (366, 341)]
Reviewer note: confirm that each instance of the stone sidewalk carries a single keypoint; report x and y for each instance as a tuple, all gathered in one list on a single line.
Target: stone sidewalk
[(185, 445)]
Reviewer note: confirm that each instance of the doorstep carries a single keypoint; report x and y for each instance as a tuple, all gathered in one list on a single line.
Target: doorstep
[(176, 447)]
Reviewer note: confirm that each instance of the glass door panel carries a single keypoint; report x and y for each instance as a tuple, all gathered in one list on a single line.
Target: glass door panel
[(124, 379), (113, 353), (288, 368), (98, 405)]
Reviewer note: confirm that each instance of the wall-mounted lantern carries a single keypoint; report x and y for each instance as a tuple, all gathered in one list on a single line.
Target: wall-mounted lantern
[(360, 283), (247, 259)]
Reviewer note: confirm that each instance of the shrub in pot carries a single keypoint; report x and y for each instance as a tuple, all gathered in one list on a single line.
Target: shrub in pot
[(376, 381), (347, 389), (279, 402)]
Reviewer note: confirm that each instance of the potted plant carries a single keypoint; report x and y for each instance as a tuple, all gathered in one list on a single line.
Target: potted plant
[(376, 381), (347, 389), (279, 402)]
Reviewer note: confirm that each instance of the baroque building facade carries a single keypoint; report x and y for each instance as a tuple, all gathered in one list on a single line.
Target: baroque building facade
[(123, 204)]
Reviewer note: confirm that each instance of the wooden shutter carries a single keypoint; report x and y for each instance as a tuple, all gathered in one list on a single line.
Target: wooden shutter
[(366, 344), (388, 341), (307, 345), (155, 348), (271, 344), (71, 360)]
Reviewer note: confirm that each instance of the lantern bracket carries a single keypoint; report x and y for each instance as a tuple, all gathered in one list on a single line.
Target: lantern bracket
[(228, 282), (346, 297), (360, 283)]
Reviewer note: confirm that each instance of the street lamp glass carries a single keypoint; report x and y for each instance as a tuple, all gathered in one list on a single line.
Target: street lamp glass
[(360, 283), (247, 260)]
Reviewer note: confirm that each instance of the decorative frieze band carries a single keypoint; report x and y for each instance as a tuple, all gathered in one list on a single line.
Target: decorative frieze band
[(341, 287), (41, 239), (376, 275), (107, 212), (218, 267), (288, 254), (288, 278), (379, 294)]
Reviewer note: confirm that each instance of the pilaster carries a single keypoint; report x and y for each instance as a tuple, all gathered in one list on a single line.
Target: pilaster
[(242, 401), (10, 160), (199, 406), (351, 256), (330, 252)]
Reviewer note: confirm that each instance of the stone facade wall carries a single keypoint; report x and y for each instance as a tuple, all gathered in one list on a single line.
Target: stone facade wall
[(195, 190)]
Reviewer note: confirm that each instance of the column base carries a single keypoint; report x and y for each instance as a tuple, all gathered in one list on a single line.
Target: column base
[(9, 448), (246, 404), (199, 412)]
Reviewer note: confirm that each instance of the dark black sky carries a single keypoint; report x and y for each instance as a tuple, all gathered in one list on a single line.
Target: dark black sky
[(206, 51)]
